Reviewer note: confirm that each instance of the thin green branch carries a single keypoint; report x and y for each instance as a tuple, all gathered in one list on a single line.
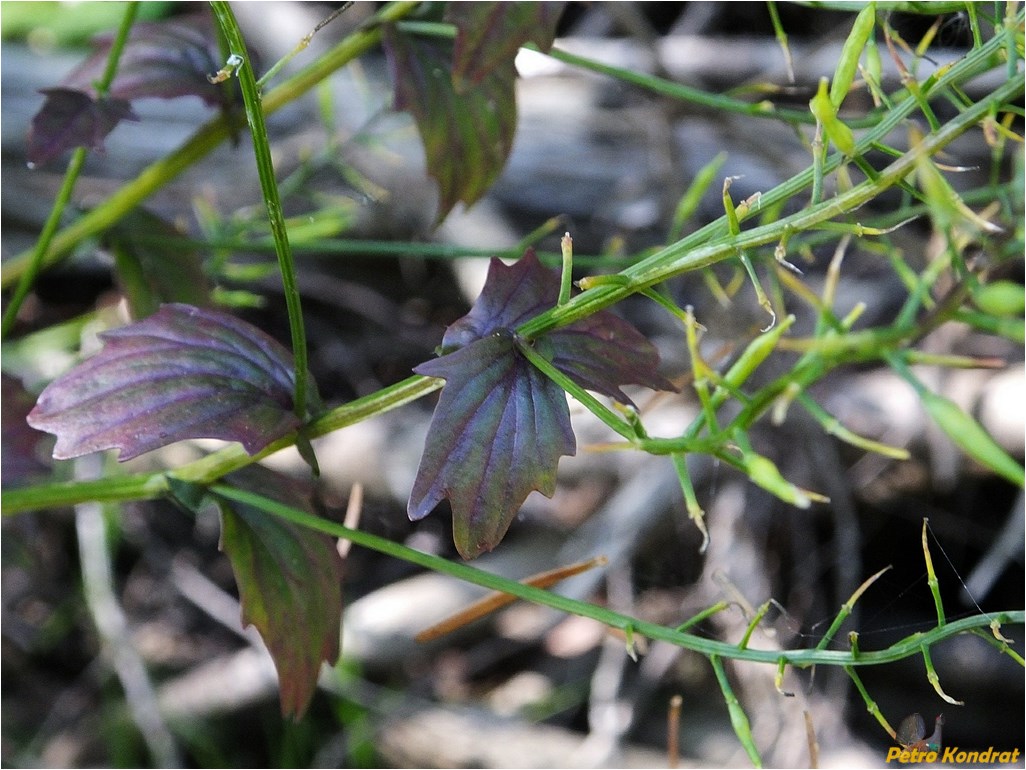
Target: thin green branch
[(934, 679), (710, 245), (905, 648), (302, 44), (343, 248), (871, 705), (202, 142), (157, 485), (931, 577), (708, 612), (738, 718), (37, 258), (592, 404), (206, 470), (117, 46), (269, 187), (847, 608), (566, 245), (36, 261)]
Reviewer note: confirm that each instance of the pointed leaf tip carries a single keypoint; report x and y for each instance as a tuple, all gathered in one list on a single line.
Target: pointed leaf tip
[(182, 373), (290, 584)]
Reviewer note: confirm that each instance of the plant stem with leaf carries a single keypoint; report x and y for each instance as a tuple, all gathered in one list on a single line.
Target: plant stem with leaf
[(36, 260), (269, 187), (202, 142)]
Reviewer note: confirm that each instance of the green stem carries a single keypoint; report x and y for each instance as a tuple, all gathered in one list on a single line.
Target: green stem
[(781, 35), (752, 625), (206, 138), (156, 485), (36, 259), (566, 275), (846, 610), (931, 576), (933, 679), (269, 187), (908, 647), (116, 48), (819, 154), (999, 645), (703, 615), (695, 251), (871, 706), (342, 248), (206, 470), (301, 45), (596, 407), (35, 263), (738, 718)]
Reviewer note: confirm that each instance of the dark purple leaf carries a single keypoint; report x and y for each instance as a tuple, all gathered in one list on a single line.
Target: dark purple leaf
[(290, 585), (603, 351), (600, 352), (501, 426), (164, 59), (498, 432), (181, 373), (21, 461), (467, 137), (488, 35), (71, 118)]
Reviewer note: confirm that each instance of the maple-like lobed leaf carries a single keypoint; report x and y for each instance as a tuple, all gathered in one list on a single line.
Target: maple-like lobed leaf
[(497, 434), (290, 585), (500, 425), (600, 352), (467, 137), (489, 34), (72, 118), (162, 59), (182, 373)]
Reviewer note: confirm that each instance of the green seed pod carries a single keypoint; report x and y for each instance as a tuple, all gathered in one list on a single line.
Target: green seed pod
[(848, 63), (826, 114), (874, 67), (970, 436), (763, 472), (756, 352), (1001, 298)]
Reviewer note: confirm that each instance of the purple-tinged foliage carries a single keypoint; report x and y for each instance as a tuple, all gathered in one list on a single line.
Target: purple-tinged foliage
[(290, 584), (488, 35), (181, 373), (498, 432), (20, 460), (466, 137), (152, 266), (70, 118), (501, 426), (462, 95), (163, 59)]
